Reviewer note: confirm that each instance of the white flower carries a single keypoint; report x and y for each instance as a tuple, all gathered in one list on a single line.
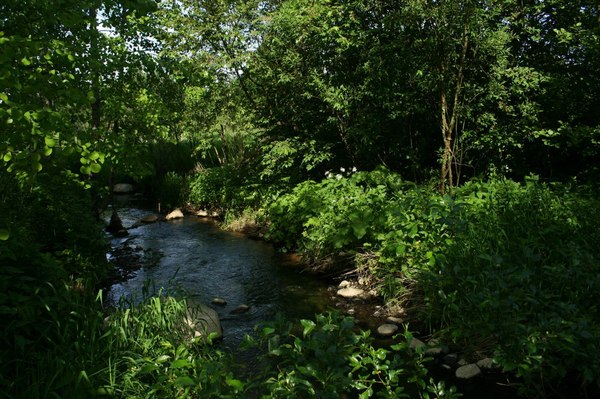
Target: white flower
[(354, 168), (338, 176), (342, 170)]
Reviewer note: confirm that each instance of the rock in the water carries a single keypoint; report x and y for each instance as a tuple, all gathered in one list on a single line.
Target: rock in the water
[(350, 292), (122, 188), (467, 371), (219, 301), (115, 226), (240, 309), (202, 213), (434, 351), (387, 330), (176, 214), (149, 219), (203, 321)]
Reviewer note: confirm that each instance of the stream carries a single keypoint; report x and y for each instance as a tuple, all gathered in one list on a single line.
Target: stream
[(192, 255)]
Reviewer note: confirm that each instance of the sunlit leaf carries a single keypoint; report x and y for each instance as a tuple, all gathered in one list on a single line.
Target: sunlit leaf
[(95, 168), (50, 142)]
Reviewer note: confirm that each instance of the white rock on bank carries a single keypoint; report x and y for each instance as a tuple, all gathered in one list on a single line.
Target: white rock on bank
[(176, 214), (350, 292)]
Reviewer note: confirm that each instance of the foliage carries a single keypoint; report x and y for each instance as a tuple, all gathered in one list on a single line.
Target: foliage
[(153, 354), (524, 264), (52, 256), (326, 358)]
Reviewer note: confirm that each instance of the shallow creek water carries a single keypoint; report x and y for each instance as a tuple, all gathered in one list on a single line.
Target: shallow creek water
[(194, 256)]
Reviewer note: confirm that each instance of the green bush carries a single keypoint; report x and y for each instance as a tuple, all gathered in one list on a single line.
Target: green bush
[(225, 188), (152, 355), (326, 358), (173, 190), (345, 211), (523, 272)]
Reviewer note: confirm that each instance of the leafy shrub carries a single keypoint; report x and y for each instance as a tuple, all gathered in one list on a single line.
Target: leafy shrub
[(224, 187), (338, 213), (328, 359), (153, 355), (49, 259), (523, 270)]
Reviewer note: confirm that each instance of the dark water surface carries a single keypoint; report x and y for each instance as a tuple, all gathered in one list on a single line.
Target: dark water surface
[(193, 255)]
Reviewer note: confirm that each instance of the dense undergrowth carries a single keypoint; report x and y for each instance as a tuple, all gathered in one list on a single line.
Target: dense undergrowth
[(499, 267)]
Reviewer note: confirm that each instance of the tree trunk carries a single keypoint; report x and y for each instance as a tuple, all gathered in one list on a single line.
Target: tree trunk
[(449, 113)]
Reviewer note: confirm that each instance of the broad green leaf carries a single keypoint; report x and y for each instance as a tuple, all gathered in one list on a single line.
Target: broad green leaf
[(7, 157), (95, 168), (308, 325), (50, 142), (180, 363), (25, 61), (4, 234), (163, 358), (237, 384), (400, 249)]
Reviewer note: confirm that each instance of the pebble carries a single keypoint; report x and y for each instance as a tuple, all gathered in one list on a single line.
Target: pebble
[(219, 301), (416, 343), (149, 219)]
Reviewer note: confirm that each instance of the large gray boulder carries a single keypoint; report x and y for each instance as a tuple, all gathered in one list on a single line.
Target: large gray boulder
[(203, 321)]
